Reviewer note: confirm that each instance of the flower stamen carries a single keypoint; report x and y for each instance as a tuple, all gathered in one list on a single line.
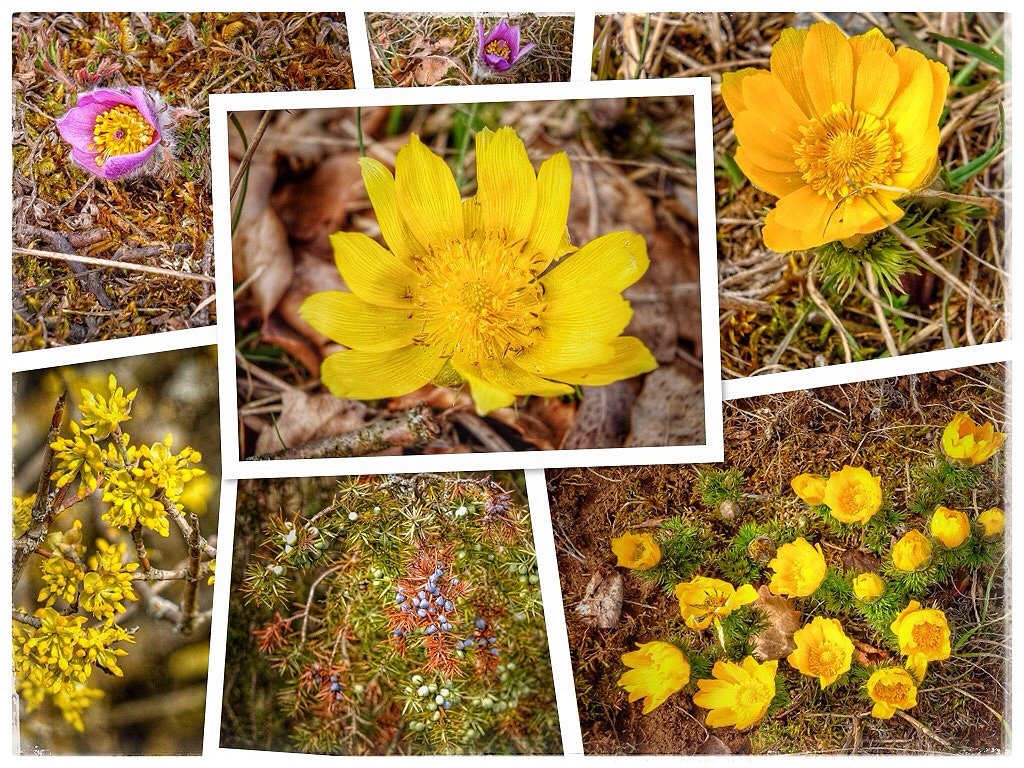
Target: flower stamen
[(121, 130)]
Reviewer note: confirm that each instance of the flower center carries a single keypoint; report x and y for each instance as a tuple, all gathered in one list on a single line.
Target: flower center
[(753, 694), (477, 300), (927, 637), (825, 659), (891, 693), (847, 151), (498, 48), (121, 130)]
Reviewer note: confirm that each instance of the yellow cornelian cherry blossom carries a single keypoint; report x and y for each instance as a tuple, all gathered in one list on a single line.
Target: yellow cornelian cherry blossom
[(923, 635), (913, 552), (891, 688), (838, 129), (853, 495), (809, 488), (868, 587), (971, 443), (822, 650), (798, 569), (950, 526), (992, 522), (657, 671), (703, 600), (739, 694), (638, 551), (485, 291)]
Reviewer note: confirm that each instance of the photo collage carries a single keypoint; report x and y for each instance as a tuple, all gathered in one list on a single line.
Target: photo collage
[(568, 382)]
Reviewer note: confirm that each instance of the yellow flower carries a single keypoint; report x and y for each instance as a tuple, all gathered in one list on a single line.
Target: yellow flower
[(21, 513), (168, 471), (891, 688), (703, 600), (853, 494), (739, 694), (972, 443), (485, 291), (133, 500), (992, 522), (822, 650), (923, 635), (833, 123), (657, 670), (636, 550), (912, 553), (78, 455), (108, 583), (103, 415), (810, 488), (798, 569), (868, 587), (950, 526)]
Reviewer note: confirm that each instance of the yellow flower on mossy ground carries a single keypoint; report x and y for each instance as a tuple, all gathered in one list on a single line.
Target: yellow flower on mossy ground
[(703, 600), (891, 688), (853, 494), (739, 694), (868, 587), (923, 635), (798, 569), (911, 553), (972, 443), (992, 522), (657, 670), (838, 129), (809, 488), (950, 526), (486, 291), (822, 650), (638, 551)]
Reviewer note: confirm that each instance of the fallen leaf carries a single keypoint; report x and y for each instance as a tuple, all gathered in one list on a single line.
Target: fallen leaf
[(274, 331), (315, 206), (602, 602), (868, 655), (668, 411), (306, 417), (432, 70), (602, 419), (556, 414), (775, 641), (265, 257), (312, 274)]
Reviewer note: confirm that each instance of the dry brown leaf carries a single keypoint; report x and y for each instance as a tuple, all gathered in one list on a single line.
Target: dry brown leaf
[(602, 602), (311, 275), (276, 332), (668, 411), (306, 417), (437, 398), (265, 256), (315, 206), (868, 655), (432, 70), (603, 199), (602, 420), (444, 44), (262, 176), (556, 414), (775, 641)]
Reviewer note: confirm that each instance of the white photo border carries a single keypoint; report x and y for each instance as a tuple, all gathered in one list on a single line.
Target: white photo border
[(698, 88)]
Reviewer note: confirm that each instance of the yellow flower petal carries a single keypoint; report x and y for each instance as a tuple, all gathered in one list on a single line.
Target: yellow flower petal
[(380, 188), (473, 223), (781, 116), (732, 88), (630, 358), (427, 196), (614, 261), (778, 183), (506, 184), (371, 272), (772, 152), (486, 396), (872, 40), (346, 319), (878, 77), (508, 376), (828, 67), (554, 182), (910, 110), (787, 64), (361, 375)]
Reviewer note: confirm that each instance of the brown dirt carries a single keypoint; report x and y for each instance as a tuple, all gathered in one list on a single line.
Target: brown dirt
[(884, 425)]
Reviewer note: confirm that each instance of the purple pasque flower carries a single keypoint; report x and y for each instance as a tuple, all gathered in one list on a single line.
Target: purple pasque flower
[(113, 132), (500, 48)]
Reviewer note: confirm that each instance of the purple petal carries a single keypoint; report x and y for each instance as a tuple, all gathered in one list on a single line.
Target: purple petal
[(85, 160), (502, 29), (480, 35), (499, 63), (76, 127), (522, 52), (141, 101), (121, 165), (108, 97), (512, 38)]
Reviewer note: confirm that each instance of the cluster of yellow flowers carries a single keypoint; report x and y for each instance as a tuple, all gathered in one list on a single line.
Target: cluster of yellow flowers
[(739, 694)]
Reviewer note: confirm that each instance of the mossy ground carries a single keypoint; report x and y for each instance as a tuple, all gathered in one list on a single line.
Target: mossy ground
[(165, 219), (890, 426), (768, 320)]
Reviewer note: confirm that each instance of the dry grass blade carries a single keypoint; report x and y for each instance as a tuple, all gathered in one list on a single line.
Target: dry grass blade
[(126, 265)]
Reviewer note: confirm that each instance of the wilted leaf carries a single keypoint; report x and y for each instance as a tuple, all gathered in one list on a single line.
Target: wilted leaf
[(277, 333), (669, 410), (264, 256), (315, 206), (432, 70), (602, 419), (775, 641), (311, 275), (306, 417), (602, 602)]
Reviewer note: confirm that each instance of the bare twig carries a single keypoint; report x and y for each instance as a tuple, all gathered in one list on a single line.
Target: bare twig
[(188, 600), (247, 157), (187, 529), (42, 510), (24, 618), (66, 252), (140, 548), (883, 323), (414, 426), (126, 265), (924, 729), (820, 303)]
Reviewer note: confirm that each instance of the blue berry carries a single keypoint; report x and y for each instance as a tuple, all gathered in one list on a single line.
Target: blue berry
[(421, 613), (455, 582), (459, 645), (468, 642), (449, 605), (446, 705), (399, 598), (422, 595), (431, 629), (494, 651), (446, 627), (335, 687), (492, 640), (481, 624)]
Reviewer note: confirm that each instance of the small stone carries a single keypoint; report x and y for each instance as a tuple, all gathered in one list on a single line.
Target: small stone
[(730, 509)]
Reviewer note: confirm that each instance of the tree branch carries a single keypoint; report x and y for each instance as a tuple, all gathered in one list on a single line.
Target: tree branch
[(188, 600)]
